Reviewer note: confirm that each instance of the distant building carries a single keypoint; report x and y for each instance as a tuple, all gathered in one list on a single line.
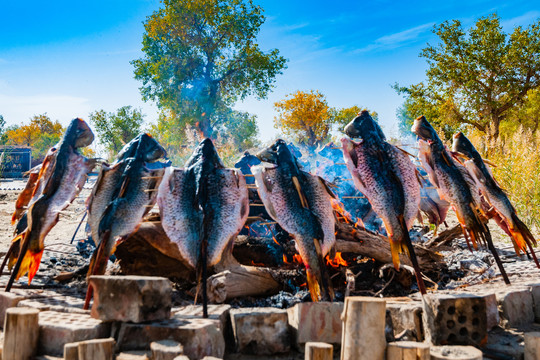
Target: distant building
[(14, 161)]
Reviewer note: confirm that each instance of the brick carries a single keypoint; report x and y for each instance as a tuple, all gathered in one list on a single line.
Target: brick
[(455, 319), (200, 337), (166, 349), (406, 317), (131, 298), (315, 322), (515, 306), (7, 300), (57, 303), (219, 313), (57, 329), (260, 330)]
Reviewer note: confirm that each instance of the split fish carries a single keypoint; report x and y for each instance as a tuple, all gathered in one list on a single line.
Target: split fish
[(496, 197), (203, 207), (301, 204), (455, 185), (60, 179), (387, 177)]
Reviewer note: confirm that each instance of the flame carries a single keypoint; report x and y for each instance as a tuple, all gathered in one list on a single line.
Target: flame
[(256, 264), (340, 209), (337, 261), (297, 259), (273, 238), (303, 285), (359, 224), (285, 259)]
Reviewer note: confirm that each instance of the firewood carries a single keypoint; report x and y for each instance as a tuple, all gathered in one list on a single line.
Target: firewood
[(319, 351), (21, 331), (404, 350), (96, 349)]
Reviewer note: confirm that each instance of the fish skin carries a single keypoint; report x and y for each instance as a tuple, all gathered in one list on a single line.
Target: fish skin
[(307, 215), (122, 189), (203, 201), (386, 176), (60, 180), (494, 194)]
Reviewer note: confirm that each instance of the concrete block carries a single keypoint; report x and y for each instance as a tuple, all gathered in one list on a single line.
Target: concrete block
[(515, 306), (455, 319), (133, 355), (535, 292), (57, 329), (131, 298), (7, 300), (260, 330), (532, 345), (166, 349), (315, 322), (406, 317), (200, 337), (455, 353), (219, 313), (57, 303)]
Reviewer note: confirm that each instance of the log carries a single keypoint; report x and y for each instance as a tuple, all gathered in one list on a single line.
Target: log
[(102, 349), (166, 349), (71, 351), (21, 332), (405, 350), (445, 237), (532, 345), (456, 352), (319, 351), (364, 320)]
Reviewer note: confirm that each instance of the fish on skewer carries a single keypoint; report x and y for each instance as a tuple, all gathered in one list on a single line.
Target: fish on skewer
[(128, 191), (203, 207), (505, 212), (60, 179), (456, 186), (388, 179), (431, 203), (301, 204)]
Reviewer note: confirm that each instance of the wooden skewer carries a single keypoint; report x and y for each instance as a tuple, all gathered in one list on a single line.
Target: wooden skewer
[(256, 204), (250, 175), (153, 222), (149, 206), (152, 177), (150, 190), (353, 197), (269, 223), (252, 187)]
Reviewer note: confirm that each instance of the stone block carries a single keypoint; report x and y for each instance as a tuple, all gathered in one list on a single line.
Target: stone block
[(455, 353), (57, 329), (131, 298), (515, 306), (260, 330), (57, 303), (455, 319), (7, 300), (166, 349), (200, 337), (535, 292), (133, 355), (219, 313), (406, 317), (317, 322)]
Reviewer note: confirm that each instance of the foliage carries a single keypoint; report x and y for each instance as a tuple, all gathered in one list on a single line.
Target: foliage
[(517, 157), (41, 134), (345, 115), (114, 130), (201, 56), (476, 78), (3, 136)]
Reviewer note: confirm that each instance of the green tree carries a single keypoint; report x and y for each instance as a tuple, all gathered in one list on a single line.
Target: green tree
[(476, 78), (201, 56), (344, 116), (115, 129), (3, 136)]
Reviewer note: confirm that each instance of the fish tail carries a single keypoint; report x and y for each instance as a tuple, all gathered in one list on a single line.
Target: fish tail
[(407, 246), (522, 237), (318, 280), (30, 264)]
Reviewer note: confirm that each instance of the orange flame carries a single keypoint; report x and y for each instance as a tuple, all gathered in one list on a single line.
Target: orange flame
[(256, 264), (297, 259), (285, 259), (340, 209), (337, 261)]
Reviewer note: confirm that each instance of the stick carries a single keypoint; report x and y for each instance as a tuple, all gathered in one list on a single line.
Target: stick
[(78, 226)]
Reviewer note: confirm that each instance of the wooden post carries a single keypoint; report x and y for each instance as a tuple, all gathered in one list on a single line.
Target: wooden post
[(166, 349), (319, 351), (532, 345), (97, 349), (21, 332), (404, 350), (364, 319), (71, 351)]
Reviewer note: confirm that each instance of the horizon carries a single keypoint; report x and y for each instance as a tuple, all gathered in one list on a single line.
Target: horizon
[(69, 59)]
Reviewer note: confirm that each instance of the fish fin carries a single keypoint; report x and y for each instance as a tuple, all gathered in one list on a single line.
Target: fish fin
[(489, 162), (303, 199), (97, 184), (30, 265), (124, 187), (405, 151), (319, 284), (521, 234), (326, 186), (419, 177), (44, 166)]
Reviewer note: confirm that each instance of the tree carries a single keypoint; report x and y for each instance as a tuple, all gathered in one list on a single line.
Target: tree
[(345, 115), (114, 130), (41, 134), (201, 56), (305, 116), (3, 136), (476, 78)]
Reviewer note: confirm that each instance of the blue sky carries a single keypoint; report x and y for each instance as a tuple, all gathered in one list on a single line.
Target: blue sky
[(68, 58)]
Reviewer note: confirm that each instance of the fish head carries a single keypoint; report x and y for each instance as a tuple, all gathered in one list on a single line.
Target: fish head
[(365, 127), (423, 129), (280, 154), (129, 149), (150, 149), (462, 145), (205, 153), (78, 134)]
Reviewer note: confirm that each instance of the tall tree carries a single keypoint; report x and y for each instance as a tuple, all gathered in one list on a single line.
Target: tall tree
[(477, 77), (3, 136), (201, 56), (115, 129), (345, 115)]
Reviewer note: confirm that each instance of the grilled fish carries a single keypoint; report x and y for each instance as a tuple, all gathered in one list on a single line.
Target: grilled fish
[(431, 203), (60, 179), (388, 179), (203, 207), (301, 204), (506, 213), (455, 185)]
